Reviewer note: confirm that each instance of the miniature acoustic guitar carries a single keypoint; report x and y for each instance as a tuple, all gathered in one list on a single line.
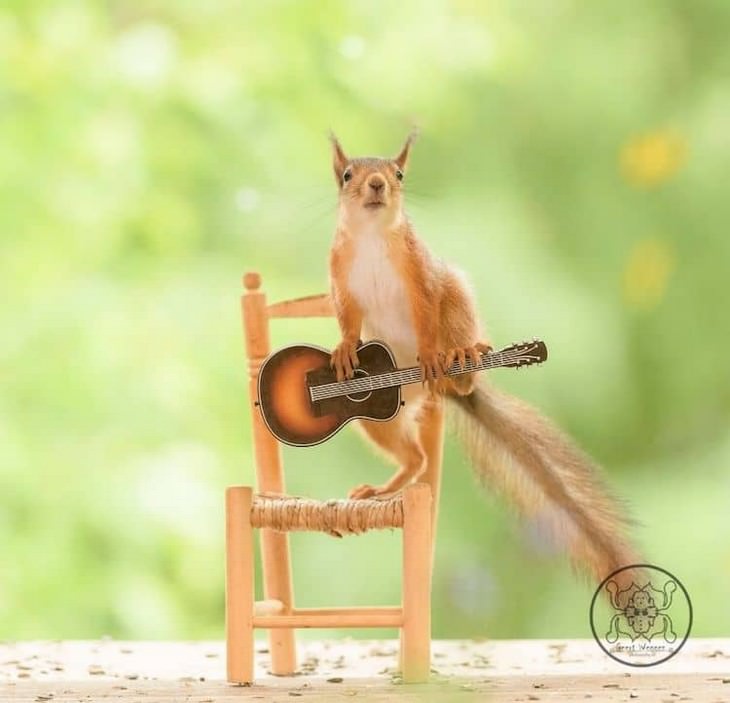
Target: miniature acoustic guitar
[(303, 404)]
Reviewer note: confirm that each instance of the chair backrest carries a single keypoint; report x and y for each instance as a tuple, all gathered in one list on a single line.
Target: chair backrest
[(256, 316)]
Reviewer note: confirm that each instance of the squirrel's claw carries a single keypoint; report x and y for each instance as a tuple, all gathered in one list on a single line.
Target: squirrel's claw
[(431, 364), (354, 361), (344, 360), (461, 354), (447, 360), (473, 355), (455, 354), (367, 491)]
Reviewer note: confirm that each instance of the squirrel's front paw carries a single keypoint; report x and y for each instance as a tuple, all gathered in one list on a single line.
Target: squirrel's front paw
[(431, 363), (344, 359), (461, 354), (367, 491)]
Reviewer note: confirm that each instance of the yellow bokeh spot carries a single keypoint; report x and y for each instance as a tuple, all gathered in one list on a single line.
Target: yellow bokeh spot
[(647, 272), (651, 159)]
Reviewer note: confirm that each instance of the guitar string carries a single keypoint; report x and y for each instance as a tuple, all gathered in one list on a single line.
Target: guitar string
[(407, 376), (413, 374), (391, 380), (398, 377)]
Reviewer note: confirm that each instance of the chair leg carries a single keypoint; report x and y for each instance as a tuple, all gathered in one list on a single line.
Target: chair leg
[(239, 586), (432, 440), (416, 632), (277, 586), (275, 559)]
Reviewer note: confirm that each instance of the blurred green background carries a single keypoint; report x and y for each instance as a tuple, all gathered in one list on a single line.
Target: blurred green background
[(573, 161)]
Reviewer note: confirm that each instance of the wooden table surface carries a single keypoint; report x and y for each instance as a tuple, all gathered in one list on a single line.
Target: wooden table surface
[(337, 670)]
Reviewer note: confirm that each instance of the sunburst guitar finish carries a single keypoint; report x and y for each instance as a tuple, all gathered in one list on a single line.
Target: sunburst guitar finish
[(285, 380)]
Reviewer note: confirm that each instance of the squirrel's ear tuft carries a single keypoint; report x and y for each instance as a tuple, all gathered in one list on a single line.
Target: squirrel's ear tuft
[(339, 158), (402, 158)]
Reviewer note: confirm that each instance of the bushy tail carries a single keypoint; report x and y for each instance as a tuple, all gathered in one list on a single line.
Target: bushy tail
[(515, 449)]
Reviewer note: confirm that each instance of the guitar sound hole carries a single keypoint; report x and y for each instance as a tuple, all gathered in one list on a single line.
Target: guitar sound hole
[(360, 397)]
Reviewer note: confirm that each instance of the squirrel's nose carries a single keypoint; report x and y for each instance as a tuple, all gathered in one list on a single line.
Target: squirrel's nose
[(376, 183)]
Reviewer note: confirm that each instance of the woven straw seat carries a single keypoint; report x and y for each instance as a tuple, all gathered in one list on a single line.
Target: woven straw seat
[(336, 517)]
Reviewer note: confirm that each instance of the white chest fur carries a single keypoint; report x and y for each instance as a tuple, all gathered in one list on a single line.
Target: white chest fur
[(380, 292)]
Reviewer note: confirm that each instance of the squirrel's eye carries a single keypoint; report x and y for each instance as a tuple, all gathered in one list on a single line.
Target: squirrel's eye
[(399, 174), (347, 175)]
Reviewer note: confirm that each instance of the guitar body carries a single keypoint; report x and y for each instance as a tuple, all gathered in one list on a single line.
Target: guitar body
[(287, 408)]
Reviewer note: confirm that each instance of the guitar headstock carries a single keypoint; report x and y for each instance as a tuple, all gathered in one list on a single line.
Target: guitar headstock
[(522, 354)]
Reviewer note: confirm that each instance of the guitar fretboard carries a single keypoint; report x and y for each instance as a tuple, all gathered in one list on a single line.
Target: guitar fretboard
[(414, 374)]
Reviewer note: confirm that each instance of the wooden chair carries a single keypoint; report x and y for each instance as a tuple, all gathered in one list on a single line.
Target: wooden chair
[(274, 514)]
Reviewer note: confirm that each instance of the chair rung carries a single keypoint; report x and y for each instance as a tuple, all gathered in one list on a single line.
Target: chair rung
[(309, 306), (268, 607), (333, 617)]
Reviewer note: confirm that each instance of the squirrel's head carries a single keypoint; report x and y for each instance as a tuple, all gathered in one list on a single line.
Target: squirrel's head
[(370, 187)]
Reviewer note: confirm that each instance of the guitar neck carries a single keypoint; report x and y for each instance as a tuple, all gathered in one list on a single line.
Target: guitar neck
[(414, 374)]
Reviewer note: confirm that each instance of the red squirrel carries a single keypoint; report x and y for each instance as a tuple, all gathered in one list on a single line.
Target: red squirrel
[(385, 284)]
